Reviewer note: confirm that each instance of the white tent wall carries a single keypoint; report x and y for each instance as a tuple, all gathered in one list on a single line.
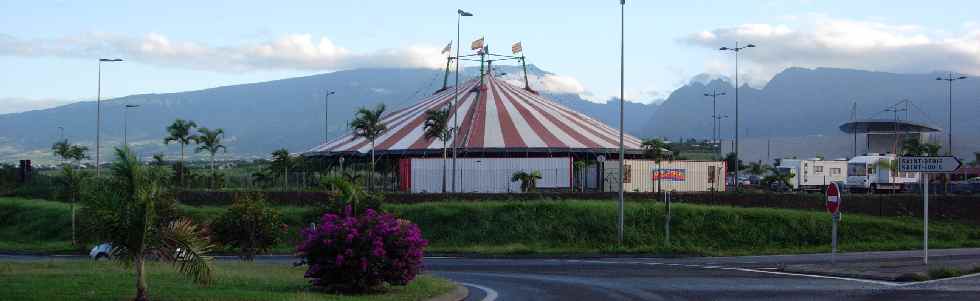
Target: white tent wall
[(692, 176), (489, 174)]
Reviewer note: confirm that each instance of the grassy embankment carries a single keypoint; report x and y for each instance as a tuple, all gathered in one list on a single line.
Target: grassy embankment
[(87, 280), (567, 227)]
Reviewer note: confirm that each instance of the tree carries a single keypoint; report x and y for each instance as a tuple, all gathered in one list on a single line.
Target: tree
[(71, 179), (281, 163), (132, 212), (159, 159), (180, 132), (775, 176), (210, 141), (67, 151), (758, 169), (529, 180), (657, 150), (367, 124), (250, 226), (915, 147), (437, 127)]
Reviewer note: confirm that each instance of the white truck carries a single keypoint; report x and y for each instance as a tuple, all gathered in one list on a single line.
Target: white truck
[(813, 174), (875, 172)]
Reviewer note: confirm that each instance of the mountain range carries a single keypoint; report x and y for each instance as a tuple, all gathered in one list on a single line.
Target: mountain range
[(259, 117), (797, 113)]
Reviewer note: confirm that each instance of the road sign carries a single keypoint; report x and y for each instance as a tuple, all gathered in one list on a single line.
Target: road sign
[(934, 164), (833, 198), (833, 206)]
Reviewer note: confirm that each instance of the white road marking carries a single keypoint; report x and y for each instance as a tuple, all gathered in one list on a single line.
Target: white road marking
[(491, 294), (940, 280), (879, 282)]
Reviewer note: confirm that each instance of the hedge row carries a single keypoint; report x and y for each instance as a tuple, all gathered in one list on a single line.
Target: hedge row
[(958, 207)]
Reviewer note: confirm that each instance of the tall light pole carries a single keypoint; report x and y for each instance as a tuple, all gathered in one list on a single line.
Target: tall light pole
[(326, 109), (718, 119), (949, 130), (736, 50), (622, 101), (714, 114), (459, 21), (98, 119), (126, 123)]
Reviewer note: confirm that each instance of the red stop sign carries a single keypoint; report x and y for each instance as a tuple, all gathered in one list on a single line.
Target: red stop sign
[(833, 198)]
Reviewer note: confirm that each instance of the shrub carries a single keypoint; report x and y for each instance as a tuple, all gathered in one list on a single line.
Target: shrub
[(357, 253), (249, 226)]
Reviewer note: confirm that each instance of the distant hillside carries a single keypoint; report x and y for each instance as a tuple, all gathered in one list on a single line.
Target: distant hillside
[(258, 118), (800, 110)]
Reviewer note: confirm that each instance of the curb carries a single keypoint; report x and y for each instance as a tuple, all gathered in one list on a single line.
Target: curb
[(457, 294)]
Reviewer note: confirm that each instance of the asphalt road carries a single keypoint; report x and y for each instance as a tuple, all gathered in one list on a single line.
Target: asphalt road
[(708, 278)]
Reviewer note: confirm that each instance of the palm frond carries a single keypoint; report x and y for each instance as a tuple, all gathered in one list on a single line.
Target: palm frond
[(183, 245)]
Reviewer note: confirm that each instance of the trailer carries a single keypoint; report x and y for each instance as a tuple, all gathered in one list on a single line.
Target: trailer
[(875, 172), (679, 176), (812, 174)]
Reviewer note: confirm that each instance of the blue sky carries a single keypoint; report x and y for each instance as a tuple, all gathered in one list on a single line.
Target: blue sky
[(48, 49)]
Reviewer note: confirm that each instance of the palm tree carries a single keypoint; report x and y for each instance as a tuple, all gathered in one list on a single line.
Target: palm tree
[(61, 149), (367, 124), (777, 177), (180, 132), (437, 127), (210, 141), (915, 147), (529, 180), (129, 212), (658, 150), (758, 169), (159, 159), (281, 163)]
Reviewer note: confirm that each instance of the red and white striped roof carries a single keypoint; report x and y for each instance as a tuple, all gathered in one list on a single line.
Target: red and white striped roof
[(501, 117)]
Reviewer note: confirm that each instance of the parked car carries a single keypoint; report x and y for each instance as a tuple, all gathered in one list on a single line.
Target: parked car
[(104, 251), (101, 251)]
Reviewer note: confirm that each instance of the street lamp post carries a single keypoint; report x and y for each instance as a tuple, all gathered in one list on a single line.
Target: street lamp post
[(622, 101), (98, 119), (326, 109), (949, 130), (126, 123), (718, 119), (715, 132), (459, 21), (736, 50)]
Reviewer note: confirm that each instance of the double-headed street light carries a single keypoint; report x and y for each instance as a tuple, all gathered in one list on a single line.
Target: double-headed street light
[(126, 123), (622, 101), (736, 50), (326, 109), (459, 21), (98, 118), (949, 130), (715, 132)]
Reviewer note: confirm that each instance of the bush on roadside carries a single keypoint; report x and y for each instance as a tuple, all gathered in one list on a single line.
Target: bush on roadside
[(249, 226), (359, 253)]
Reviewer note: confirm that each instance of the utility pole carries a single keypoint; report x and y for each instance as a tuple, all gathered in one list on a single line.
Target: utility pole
[(622, 101), (949, 130), (715, 120)]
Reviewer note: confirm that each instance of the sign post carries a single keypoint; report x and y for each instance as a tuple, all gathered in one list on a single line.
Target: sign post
[(833, 206), (925, 166)]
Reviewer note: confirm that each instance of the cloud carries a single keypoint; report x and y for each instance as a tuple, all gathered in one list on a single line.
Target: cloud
[(820, 41), (287, 52), (16, 105)]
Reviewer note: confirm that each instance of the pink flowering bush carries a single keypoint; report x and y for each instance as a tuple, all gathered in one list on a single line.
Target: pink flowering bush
[(352, 253)]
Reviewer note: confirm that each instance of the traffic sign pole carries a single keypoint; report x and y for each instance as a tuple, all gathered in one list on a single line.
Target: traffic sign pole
[(833, 206), (833, 243), (925, 218), (925, 166)]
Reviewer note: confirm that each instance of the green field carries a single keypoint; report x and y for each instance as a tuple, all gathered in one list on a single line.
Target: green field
[(90, 280), (565, 227)]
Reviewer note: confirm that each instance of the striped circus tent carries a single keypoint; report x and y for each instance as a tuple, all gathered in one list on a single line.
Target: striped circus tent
[(497, 119)]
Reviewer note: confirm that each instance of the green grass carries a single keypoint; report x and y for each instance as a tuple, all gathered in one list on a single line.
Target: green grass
[(88, 280), (572, 227)]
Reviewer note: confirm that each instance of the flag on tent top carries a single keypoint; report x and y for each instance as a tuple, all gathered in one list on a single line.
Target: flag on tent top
[(478, 44), (447, 48), (516, 48)]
